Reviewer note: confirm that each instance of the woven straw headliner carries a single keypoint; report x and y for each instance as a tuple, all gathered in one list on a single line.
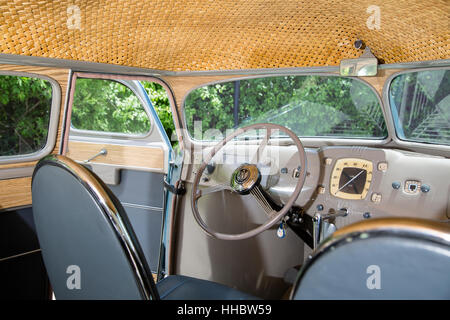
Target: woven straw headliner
[(218, 35)]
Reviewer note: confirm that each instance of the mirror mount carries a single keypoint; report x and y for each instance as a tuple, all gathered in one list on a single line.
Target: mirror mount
[(364, 66)]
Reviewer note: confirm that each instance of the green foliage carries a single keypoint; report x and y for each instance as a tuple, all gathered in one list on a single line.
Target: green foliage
[(212, 105), (24, 114), (108, 106), (308, 105), (160, 100)]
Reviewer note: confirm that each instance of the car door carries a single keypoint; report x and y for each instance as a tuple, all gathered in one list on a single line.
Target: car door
[(31, 100), (115, 132)]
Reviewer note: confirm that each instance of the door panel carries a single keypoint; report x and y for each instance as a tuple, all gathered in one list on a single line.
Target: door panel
[(133, 167), (140, 194), (22, 271), (15, 186), (15, 192), (151, 158), (24, 278)]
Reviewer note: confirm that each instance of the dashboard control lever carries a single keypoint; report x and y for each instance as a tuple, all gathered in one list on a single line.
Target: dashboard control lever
[(340, 213), (322, 228), (317, 223), (175, 190)]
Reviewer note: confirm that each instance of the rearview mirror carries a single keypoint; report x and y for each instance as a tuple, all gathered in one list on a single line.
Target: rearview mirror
[(366, 65)]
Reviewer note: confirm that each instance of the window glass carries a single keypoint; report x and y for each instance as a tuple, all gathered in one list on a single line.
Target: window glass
[(160, 101), (108, 106), (420, 105), (311, 106), (25, 105)]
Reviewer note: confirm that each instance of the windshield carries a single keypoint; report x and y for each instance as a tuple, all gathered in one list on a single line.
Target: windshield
[(311, 106)]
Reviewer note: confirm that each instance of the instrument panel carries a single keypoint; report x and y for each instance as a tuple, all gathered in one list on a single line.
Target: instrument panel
[(351, 178), (368, 182)]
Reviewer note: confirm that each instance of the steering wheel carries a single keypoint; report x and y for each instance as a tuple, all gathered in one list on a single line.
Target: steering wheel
[(246, 179)]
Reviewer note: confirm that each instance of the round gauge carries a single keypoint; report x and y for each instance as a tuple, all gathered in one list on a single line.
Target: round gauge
[(351, 178)]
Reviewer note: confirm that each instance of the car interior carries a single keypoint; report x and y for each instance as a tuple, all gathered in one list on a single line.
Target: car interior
[(224, 151)]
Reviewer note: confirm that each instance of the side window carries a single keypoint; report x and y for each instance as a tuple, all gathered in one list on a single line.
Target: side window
[(160, 101), (25, 107), (108, 106), (420, 105)]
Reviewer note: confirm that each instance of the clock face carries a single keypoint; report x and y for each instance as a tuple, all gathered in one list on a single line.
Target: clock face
[(351, 178)]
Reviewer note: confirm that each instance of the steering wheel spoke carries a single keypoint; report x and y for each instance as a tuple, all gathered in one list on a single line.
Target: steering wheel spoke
[(262, 201)]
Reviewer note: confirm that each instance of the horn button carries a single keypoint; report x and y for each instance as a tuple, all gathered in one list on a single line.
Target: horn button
[(245, 178)]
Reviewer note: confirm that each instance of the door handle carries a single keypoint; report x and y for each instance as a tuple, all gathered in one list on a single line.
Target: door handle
[(102, 152)]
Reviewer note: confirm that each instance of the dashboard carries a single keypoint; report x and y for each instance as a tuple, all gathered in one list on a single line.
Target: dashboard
[(362, 182), (368, 182)]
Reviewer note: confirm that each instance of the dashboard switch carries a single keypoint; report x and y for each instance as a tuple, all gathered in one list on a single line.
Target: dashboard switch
[(376, 197), (425, 188), (382, 166), (396, 185), (296, 172), (412, 186)]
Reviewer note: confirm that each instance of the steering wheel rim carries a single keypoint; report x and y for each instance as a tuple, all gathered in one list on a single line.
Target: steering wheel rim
[(196, 193)]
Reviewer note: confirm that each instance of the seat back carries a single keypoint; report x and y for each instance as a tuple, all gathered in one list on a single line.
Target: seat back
[(396, 258), (89, 248)]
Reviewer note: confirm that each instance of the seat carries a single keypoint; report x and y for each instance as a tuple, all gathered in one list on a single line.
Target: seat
[(389, 259), (88, 244)]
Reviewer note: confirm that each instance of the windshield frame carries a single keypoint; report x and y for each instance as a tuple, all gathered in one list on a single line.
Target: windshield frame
[(308, 141)]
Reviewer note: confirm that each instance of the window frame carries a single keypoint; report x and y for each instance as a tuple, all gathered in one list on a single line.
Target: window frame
[(53, 120), (392, 123), (307, 141), (109, 134)]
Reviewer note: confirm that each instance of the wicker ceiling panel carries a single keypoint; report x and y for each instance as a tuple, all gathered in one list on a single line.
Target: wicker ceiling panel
[(218, 35)]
